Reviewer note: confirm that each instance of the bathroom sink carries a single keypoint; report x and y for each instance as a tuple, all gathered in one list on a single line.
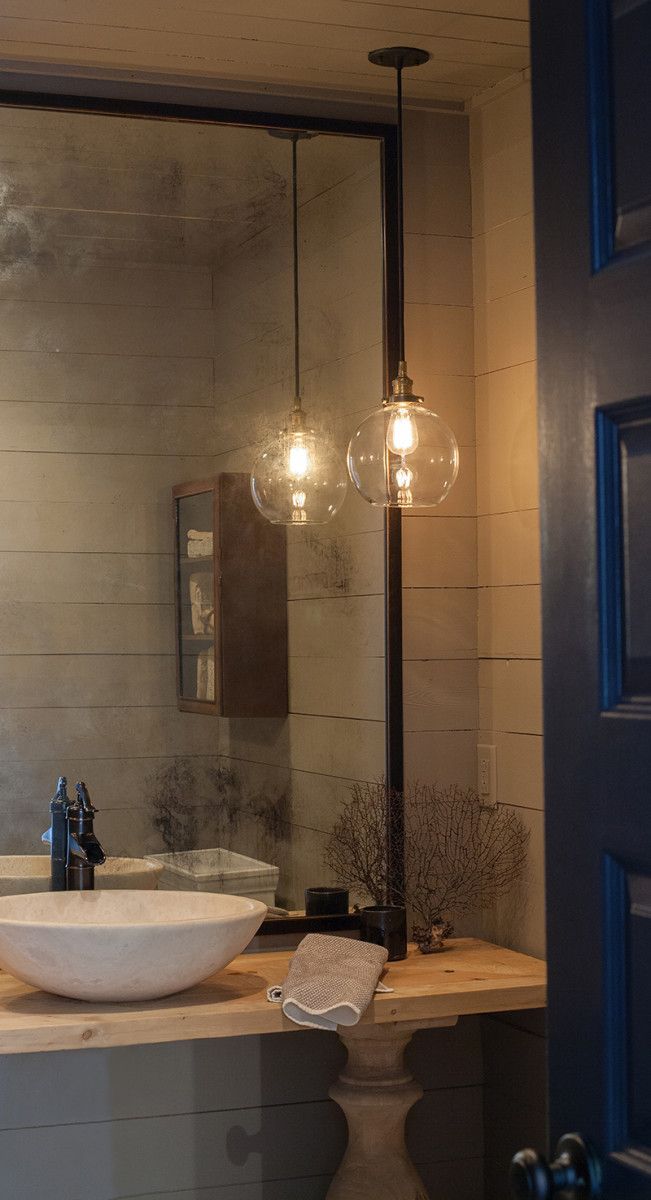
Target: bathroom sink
[(123, 945), (218, 870), (21, 873)]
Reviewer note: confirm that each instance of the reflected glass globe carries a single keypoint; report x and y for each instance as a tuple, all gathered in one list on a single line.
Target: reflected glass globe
[(403, 455), (299, 478)]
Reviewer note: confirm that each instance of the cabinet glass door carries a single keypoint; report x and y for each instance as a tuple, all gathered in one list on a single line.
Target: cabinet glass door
[(195, 607)]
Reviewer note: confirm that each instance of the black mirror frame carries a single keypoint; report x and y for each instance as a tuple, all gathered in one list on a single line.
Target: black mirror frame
[(386, 135)]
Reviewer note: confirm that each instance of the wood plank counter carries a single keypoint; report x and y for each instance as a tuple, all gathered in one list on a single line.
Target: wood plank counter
[(470, 976), (375, 1089)]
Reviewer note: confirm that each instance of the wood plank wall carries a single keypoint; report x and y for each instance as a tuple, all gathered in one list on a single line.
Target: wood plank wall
[(509, 587), (106, 397), (237, 1119), (146, 340), (510, 689), (166, 1121), (335, 731), (439, 545)]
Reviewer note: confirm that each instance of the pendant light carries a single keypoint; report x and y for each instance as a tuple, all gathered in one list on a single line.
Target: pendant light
[(299, 478), (403, 455)]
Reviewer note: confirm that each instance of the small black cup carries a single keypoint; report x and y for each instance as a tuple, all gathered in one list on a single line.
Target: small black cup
[(385, 925), (325, 901)]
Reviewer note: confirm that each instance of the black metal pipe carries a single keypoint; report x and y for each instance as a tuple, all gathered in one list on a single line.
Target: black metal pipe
[(297, 350), (400, 220)]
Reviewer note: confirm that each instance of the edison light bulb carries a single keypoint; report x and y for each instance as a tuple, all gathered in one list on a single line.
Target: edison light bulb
[(403, 455), (404, 479), (299, 458), (298, 507), (402, 434), (299, 477)]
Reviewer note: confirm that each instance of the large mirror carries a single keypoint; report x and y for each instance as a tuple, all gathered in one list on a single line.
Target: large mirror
[(146, 342)]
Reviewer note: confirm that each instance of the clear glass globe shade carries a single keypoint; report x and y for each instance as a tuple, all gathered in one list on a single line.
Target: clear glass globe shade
[(403, 456), (299, 479)]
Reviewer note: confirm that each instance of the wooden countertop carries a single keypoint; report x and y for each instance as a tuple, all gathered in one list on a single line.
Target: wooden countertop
[(470, 976)]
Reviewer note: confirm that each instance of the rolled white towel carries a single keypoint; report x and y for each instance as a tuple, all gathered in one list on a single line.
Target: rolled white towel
[(202, 602), (206, 675)]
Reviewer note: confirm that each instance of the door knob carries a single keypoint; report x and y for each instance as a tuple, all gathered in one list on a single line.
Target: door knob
[(575, 1172)]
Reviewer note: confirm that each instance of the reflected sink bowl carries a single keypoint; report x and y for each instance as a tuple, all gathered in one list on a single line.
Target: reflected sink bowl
[(123, 945), (21, 873)]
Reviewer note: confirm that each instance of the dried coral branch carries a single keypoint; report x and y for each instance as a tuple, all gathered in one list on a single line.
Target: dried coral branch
[(460, 855), (356, 853)]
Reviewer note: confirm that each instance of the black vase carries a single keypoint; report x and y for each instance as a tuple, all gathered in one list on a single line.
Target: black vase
[(325, 901), (385, 925)]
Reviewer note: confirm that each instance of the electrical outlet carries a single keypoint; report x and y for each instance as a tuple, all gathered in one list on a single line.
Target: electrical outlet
[(487, 774)]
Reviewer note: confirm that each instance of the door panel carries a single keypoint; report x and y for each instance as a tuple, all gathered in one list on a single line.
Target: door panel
[(624, 487), (631, 121), (618, 50), (639, 1007), (593, 243), (627, 1059)]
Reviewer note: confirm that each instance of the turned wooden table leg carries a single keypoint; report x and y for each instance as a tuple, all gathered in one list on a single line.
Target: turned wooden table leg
[(376, 1091)]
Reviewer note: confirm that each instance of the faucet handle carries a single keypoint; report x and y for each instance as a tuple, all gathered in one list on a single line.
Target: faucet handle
[(59, 804), (60, 798), (84, 812), (83, 797)]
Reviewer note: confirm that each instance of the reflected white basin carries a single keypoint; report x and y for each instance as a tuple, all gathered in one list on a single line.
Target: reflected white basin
[(20, 873), (123, 945)]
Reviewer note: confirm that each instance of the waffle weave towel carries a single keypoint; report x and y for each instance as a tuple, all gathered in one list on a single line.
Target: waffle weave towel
[(331, 981)]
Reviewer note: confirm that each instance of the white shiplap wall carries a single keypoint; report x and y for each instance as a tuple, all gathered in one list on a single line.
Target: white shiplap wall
[(510, 685), (238, 1119), (106, 371), (335, 732), (212, 1121), (509, 587), (439, 545)]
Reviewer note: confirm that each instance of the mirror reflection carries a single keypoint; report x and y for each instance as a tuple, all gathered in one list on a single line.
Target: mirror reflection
[(148, 346)]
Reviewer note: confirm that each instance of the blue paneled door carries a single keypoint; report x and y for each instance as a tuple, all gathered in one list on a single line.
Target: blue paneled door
[(592, 154)]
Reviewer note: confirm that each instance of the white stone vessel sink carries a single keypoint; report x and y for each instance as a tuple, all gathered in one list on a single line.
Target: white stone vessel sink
[(123, 945), (20, 873)]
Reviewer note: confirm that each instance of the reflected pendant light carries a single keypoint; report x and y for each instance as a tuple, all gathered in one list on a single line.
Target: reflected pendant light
[(403, 455), (299, 478)]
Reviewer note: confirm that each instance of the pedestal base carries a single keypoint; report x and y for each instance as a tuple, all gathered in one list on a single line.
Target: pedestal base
[(376, 1091)]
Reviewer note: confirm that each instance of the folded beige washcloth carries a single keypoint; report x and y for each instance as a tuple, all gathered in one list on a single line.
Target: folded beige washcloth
[(331, 981)]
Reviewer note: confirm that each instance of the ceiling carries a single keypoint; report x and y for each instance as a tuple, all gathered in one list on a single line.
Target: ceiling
[(313, 46)]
